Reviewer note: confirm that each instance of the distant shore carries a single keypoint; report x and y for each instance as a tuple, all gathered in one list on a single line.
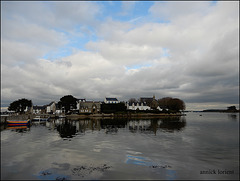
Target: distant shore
[(221, 111)]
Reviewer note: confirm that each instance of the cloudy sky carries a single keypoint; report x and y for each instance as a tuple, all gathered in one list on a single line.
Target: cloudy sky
[(93, 50)]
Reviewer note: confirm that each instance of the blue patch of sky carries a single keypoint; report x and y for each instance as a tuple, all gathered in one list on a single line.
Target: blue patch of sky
[(138, 66), (213, 3), (77, 41), (165, 52), (59, 53), (114, 10)]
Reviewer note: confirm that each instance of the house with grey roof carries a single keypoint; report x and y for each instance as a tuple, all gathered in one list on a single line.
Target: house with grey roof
[(109, 100), (89, 106), (39, 109)]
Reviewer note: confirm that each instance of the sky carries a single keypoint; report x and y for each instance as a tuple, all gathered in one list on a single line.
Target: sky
[(123, 49)]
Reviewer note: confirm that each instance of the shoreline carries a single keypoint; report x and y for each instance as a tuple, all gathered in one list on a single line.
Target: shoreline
[(122, 115), (92, 116)]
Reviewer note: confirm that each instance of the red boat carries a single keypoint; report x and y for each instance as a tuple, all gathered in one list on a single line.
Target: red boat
[(18, 122), (17, 127)]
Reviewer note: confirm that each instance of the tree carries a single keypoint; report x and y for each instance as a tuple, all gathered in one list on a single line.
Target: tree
[(176, 105), (113, 108), (164, 103), (68, 102), (172, 104), (20, 105), (231, 108), (132, 100)]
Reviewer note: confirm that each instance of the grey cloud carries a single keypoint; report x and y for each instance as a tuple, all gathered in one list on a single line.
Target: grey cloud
[(202, 65), (126, 53), (52, 14), (171, 10)]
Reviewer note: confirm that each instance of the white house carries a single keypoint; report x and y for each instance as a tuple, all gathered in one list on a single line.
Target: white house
[(137, 106), (51, 108), (79, 101), (159, 108), (111, 100)]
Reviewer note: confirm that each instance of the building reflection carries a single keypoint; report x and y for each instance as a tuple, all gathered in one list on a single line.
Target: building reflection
[(169, 124), (232, 117), (111, 126), (71, 128)]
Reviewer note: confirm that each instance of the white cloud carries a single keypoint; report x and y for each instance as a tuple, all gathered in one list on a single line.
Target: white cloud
[(126, 53), (177, 9)]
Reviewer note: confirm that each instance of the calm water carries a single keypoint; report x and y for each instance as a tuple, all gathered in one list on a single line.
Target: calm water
[(190, 147)]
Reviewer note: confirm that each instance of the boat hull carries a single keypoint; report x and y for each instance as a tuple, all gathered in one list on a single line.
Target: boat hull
[(17, 127), (18, 123)]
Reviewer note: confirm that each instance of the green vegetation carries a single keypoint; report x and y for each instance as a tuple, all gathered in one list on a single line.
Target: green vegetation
[(20, 105), (113, 108), (171, 104), (68, 102)]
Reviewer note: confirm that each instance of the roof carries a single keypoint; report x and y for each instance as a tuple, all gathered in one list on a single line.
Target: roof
[(111, 99), (39, 107), (50, 103), (145, 99), (81, 100)]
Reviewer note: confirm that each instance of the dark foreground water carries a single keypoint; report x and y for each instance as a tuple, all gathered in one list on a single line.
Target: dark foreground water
[(194, 146)]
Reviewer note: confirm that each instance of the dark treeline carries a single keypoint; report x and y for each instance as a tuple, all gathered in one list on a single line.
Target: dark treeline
[(229, 109)]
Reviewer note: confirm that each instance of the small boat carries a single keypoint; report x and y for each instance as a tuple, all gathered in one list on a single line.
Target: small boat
[(18, 122), (39, 119)]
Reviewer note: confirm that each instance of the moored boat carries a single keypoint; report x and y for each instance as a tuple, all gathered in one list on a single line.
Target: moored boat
[(18, 122)]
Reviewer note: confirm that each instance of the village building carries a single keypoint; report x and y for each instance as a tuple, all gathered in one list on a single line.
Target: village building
[(51, 108), (111, 100), (39, 109), (28, 110), (144, 103), (137, 106), (78, 103), (89, 106)]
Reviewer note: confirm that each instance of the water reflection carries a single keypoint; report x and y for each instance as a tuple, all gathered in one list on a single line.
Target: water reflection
[(232, 117), (66, 130), (19, 129), (171, 125), (71, 128), (111, 126)]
